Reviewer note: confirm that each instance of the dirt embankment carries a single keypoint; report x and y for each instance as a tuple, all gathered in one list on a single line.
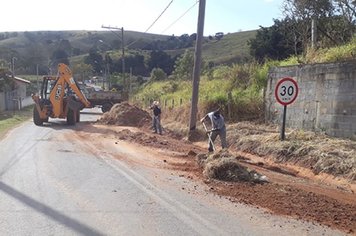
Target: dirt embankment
[(267, 183), (318, 152)]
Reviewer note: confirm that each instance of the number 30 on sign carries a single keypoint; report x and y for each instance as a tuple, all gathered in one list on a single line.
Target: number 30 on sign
[(286, 91)]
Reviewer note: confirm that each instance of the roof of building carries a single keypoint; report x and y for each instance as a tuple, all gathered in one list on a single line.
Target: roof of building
[(22, 80)]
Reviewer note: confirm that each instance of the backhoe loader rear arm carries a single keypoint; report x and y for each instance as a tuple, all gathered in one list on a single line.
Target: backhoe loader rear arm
[(57, 93), (67, 76)]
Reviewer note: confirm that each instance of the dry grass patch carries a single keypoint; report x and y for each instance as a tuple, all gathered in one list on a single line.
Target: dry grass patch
[(321, 153)]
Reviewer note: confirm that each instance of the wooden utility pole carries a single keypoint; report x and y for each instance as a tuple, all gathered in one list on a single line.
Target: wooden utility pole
[(123, 60), (313, 33), (196, 71), (123, 54)]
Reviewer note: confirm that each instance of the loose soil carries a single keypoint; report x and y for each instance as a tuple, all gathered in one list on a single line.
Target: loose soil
[(126, 115), (291, 190)]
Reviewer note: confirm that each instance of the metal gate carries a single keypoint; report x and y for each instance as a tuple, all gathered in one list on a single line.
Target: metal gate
[(12, 101)]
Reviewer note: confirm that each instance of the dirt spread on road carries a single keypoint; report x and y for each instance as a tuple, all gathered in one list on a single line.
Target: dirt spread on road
[(289, 190), (287, 193)]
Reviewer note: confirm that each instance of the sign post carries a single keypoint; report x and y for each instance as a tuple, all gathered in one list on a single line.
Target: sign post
[(286, 92)]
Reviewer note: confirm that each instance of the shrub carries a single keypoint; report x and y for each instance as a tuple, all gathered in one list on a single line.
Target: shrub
[(158, 74)]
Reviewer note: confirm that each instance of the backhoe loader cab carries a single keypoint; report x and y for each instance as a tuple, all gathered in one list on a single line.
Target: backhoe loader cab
[(60, 97)]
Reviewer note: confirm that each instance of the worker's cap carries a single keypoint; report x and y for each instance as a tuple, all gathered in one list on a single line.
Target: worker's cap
[(156, 103)]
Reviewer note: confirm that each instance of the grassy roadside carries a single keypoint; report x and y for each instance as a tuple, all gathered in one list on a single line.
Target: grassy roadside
[(9, 119), (315, 151)]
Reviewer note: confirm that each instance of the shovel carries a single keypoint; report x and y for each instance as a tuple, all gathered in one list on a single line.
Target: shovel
[(209, 136)]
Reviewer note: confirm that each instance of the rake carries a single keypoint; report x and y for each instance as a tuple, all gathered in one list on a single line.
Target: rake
[(209, 136)]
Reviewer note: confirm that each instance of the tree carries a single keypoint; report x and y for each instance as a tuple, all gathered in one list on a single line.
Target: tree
[(160, 59), (76, 51), (346, 8), (158, 74), (33, 57), (185, 41), (59, 56), (95, 60), (6, 82), (193, 37), (82, 71), (275, 42), (137, 63), (183, 68), (335, 20), (306, 9), (65, 45)]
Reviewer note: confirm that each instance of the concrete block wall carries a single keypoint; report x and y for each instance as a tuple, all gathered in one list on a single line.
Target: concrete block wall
[(326, 101)]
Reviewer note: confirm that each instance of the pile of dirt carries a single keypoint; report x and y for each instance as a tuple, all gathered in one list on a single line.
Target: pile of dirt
[(125, 114), (224, 166)]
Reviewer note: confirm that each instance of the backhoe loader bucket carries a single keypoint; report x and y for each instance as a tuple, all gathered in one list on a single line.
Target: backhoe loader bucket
[(74, 105)]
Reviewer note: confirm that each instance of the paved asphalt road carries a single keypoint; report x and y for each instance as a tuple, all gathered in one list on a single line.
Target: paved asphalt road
[(50, 185)]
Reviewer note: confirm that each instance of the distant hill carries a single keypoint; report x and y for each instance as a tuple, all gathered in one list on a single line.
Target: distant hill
[(232, 48), (28, 49)]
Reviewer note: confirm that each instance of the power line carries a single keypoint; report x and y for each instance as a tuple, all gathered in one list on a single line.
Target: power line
[(170, 24), (180, 17), (159, 16), (152, 23)]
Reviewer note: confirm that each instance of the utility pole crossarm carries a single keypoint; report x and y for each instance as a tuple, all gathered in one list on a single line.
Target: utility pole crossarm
[(110, 27)]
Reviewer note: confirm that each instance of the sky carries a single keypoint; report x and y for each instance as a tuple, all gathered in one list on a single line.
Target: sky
[(227, 16)]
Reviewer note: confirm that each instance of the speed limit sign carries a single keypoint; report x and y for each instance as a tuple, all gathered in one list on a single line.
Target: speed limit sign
[(286, 91)]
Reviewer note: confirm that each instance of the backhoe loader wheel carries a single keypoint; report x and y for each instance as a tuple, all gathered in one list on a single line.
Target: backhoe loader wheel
[(36, 117), (106, 107), (71, 117), (78, 116)]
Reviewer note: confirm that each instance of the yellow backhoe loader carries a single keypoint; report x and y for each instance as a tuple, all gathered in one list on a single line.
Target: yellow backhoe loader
[(60, 97)]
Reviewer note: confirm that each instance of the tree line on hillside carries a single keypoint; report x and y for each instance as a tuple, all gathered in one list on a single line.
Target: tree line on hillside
[(40, 52), (292, 35), (136, 62)]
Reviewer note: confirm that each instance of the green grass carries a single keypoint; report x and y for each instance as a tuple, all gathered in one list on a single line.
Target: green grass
[(232, 48), (326, 55), (334, 54), (10, 119), (245, 101)]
